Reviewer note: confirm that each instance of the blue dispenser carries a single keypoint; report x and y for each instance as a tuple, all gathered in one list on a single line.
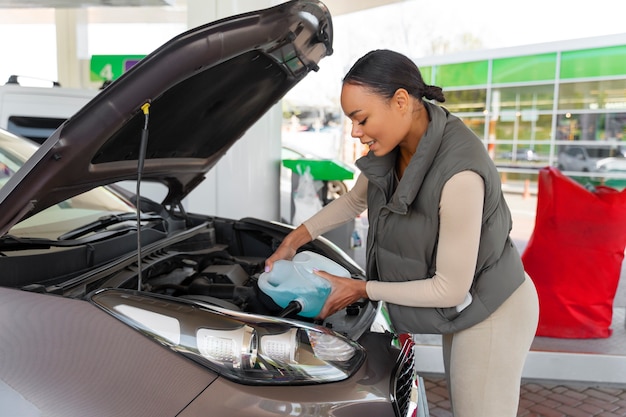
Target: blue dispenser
[(294, 280)]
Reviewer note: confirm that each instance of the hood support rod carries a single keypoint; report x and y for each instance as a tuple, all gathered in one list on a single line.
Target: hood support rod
[(140, 162)]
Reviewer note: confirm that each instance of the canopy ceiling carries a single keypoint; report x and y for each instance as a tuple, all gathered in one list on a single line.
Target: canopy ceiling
[(337, 7)]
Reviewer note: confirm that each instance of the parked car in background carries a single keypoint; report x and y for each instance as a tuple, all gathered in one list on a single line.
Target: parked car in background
[(36, 112), (588, 158), (521, 154), (112, 304)]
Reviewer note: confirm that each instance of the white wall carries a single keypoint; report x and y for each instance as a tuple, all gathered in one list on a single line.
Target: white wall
[(245, 183)]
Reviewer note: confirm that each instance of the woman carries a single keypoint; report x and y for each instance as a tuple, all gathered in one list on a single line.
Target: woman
[(438, 247)]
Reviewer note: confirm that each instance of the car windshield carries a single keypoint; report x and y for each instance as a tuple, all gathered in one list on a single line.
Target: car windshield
[(604, 152), (64, 216)]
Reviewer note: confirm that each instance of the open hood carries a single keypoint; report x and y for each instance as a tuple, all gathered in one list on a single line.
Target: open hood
[(203, 90)]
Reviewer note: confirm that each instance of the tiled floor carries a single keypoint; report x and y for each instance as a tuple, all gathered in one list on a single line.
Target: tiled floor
[(543, 399)]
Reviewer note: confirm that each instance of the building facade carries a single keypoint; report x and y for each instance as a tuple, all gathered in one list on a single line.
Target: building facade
[(561, 104)]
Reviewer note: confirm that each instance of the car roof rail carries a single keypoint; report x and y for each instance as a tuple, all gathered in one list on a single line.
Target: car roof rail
[(15, 80)]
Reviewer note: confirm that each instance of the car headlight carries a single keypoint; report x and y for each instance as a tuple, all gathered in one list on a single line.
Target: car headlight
[(246, 348)]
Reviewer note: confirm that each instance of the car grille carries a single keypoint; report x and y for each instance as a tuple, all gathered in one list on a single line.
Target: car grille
[(403, 380)]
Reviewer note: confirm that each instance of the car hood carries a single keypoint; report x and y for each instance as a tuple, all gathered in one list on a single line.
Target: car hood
[(196, 95)]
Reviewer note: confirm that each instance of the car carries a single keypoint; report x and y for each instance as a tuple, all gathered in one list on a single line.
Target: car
[(580, 158), (114, 304), (522, 154), (36, 112)]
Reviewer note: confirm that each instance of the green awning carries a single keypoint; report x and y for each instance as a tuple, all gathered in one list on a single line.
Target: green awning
[(321, 169)]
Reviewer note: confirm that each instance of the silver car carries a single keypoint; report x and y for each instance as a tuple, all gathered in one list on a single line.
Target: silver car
[(589, 158), (115, 305)]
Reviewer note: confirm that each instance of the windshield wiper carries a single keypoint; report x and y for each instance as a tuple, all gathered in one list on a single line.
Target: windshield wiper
[(75, 237), (14, 243), (106, 221)]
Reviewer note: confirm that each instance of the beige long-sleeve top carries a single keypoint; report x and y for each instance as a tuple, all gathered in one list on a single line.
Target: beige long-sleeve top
[(460, 214)]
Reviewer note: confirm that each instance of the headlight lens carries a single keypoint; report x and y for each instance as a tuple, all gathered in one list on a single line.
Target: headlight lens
[(236, 348), (246, 348)]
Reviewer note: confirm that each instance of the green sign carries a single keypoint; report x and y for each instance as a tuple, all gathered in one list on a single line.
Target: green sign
[(111, 67)]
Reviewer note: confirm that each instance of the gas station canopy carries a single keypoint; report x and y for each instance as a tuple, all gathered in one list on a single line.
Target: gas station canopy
[(336, 7)]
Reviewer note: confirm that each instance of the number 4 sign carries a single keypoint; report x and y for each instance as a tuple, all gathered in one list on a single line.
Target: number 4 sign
[(110, 67)]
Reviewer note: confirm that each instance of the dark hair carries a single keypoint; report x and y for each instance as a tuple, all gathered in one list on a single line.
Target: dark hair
[(384, 71)]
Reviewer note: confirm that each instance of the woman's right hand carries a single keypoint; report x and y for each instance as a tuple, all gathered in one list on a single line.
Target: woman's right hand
[(283, 252), (289, 246)]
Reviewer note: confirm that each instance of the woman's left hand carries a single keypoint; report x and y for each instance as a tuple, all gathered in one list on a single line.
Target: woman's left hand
[(344, 291)]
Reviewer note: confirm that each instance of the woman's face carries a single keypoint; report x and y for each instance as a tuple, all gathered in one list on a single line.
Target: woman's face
[(378, 122)]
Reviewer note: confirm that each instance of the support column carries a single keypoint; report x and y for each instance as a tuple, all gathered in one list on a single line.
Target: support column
[(246, 182), (72, 50)]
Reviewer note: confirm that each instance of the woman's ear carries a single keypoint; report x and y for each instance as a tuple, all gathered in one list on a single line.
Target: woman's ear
[(401, 99)]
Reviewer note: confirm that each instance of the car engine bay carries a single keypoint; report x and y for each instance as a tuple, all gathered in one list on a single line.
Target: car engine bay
[(209, 261)]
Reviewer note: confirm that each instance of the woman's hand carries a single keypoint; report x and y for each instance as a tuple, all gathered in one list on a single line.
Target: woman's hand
[(283, 252), (344, 291), (287, 249)]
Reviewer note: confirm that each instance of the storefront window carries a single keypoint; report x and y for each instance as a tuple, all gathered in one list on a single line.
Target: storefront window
[(523, 135), (466, 101), (591, 127), (593, 95), (604, 158), (475, 123), (524, 98), (521, 126)]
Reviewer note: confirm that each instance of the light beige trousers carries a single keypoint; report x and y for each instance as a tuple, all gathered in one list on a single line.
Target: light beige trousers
[(484, 363)]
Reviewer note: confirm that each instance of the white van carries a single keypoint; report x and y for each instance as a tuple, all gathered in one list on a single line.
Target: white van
[(36, 112)]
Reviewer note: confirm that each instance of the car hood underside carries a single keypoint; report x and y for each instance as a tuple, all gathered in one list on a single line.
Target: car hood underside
[(192, 98)]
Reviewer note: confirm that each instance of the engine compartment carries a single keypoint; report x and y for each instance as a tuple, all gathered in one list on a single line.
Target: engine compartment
[(220, 265), (223, 280), (207, 260)]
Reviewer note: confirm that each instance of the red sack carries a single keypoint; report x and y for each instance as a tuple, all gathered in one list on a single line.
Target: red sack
[(575, 254)]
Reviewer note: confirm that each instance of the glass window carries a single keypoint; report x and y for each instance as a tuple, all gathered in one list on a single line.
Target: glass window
[(462, 74), (614, 126), (591, 126), (605, 157), (34, 128), (524, 127), (522, 154), (62, 217), (596, 62), (593, 95), (524, 68), (475, 123), (466, 101), (524, 98)]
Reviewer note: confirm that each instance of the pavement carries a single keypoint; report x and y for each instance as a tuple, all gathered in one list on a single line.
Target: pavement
[(563, 377), (543, 399)]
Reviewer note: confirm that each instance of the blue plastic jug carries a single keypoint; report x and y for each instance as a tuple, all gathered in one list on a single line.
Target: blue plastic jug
[(295, 281)]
